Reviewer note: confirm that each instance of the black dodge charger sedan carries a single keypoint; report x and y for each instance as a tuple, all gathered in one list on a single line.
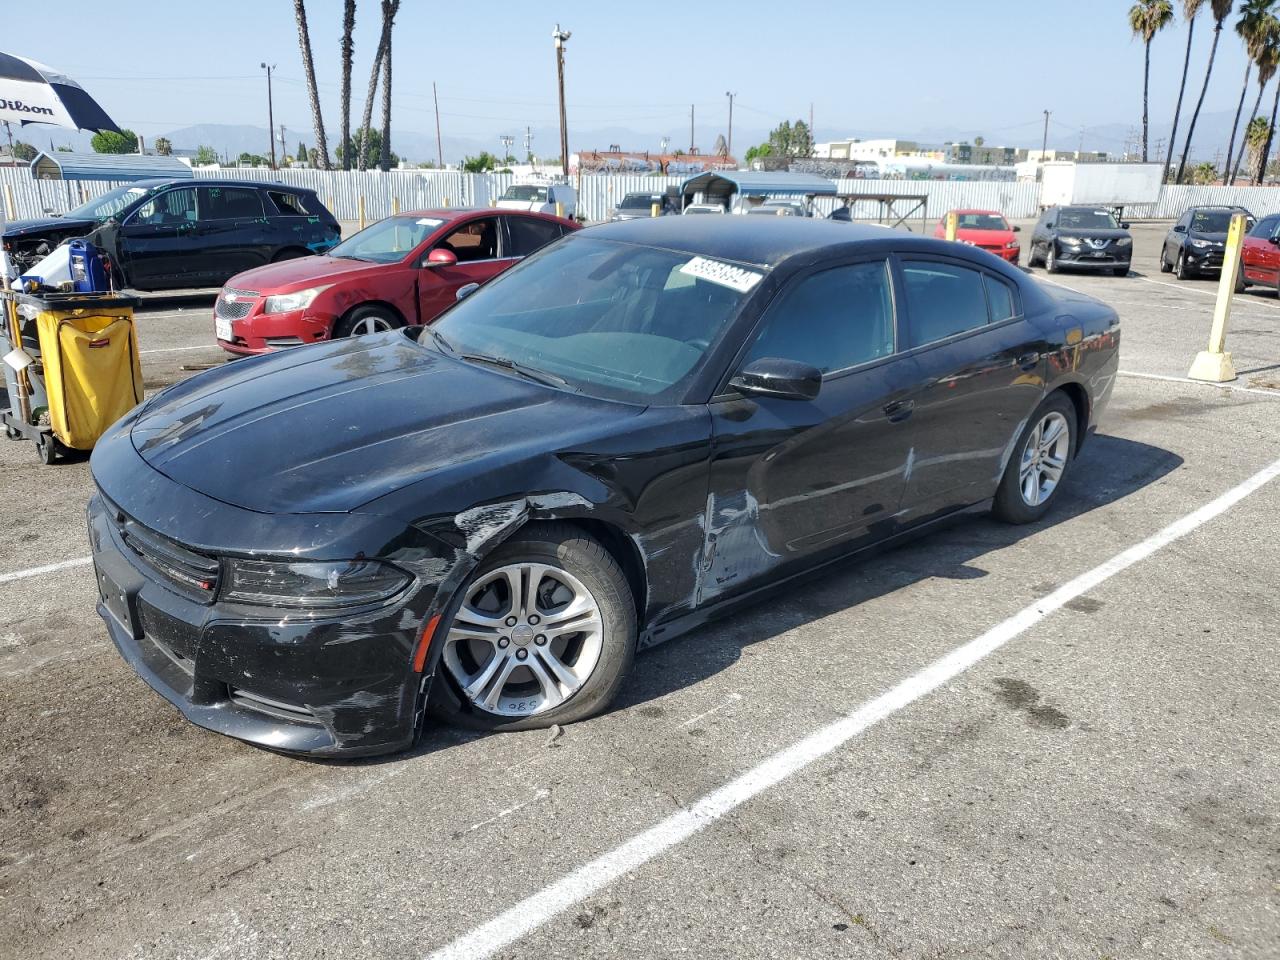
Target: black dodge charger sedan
[(634, 430), (1080, 237)]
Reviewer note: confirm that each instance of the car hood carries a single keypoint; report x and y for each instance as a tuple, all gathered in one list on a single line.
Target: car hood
[(1097, 234), (289, 275), (985, 238), (1211, 237), (40, 225)]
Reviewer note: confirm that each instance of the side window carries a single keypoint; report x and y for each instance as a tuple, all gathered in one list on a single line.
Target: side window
[(229, 203), (1000, 299), (474, 240), (831, 320), (942, 300), (288, 204), (168, 209), (1263, 227), (528, 234)]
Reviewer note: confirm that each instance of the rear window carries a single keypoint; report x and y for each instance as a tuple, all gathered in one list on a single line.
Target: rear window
[(229, 203), (289, 204), (1000, 299), (638, 201), (943, 299)]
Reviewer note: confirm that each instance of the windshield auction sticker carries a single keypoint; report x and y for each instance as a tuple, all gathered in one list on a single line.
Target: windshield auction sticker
[(725, 274), (429, 222)]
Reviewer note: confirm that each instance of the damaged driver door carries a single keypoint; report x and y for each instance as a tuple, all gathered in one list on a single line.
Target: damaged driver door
[(794, 480)]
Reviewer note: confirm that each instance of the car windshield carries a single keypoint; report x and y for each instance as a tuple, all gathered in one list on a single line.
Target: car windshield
[(638, 201), (526, 192), (1081, 218), (1211, 221), (387, 241), (109, 204), (613, 320), (982, 221)]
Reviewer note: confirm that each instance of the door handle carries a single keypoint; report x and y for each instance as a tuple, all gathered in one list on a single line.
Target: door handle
[(1028, 360), (899, 410)]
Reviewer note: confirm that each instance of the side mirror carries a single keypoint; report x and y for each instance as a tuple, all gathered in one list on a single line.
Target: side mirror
[(1275, 241), (466, 290), (774, 377), (1124, 224), (1179, 228), (1017, 229), (440, 257)]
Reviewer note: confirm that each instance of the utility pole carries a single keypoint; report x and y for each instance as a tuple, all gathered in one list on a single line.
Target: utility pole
[(691, 142), (729, 145), (271, 120), (506, 140), (528, 145), (561, 37), (283, 149), (439, 148), (811, 137), (1044, 143)]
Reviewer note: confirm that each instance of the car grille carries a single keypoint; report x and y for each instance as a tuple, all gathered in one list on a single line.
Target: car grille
[(236, 309), (194, 573), (271, 707)]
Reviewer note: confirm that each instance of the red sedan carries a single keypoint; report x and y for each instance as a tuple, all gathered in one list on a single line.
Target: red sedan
[(400, 271), (987, 229)]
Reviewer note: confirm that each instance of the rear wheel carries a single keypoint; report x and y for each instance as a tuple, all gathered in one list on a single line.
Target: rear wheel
[(544, 632), (364, 320), (1039, 462)]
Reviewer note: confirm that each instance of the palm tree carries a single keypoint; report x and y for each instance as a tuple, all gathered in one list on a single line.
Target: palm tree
[(1221, 10), (1273, 60), (304, 43), (348, 26), (1262, 52), (389, 10), (1190, 9), (1255, 138), (1146, 19), (384, 41), (1252, 28), (1204, 174)]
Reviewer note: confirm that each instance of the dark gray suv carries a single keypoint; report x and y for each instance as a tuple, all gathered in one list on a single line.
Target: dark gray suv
[(1080, 237)]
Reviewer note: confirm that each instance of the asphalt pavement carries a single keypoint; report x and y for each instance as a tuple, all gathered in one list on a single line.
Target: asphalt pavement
[(1098, 777)]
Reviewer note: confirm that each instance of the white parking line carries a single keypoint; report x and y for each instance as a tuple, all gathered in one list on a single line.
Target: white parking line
[(731, 699), (535, 910), (203, 346), (47, 568), (1274, 394)]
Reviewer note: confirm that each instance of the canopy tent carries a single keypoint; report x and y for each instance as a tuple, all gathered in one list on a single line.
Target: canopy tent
[(729, 187), (31, 92), (117, 167)]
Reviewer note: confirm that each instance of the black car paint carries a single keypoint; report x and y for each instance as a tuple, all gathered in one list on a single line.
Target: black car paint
[(705, 503), (1198, 259), (1101, 250), (175, 256)]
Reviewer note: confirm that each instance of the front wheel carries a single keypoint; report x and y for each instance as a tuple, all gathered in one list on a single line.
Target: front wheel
[(1165, 265), (544, 632), (1039, 462), (1180, 269), (1051, 258), (364, 320)]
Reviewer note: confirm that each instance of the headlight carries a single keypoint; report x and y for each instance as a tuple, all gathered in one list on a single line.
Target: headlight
[(1011, 244), (322, 584), (1124, 242), (1071, 241), (285, 302), (1202, 244)]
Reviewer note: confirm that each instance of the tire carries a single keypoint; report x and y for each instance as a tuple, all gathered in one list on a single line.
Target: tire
[(47, 450), (1051, 258), (572, 570), (1121, 271), (290, 253), (1012, 504), (1165, 265), (1180, 268), (13, 433), (1241, 283), (367, 319), (1031, 257)]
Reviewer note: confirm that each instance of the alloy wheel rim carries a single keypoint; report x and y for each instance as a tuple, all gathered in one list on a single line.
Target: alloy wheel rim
[(525, 639), (1044, 457), (370, 325)]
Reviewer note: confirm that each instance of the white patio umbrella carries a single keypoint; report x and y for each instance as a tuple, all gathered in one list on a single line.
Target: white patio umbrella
[(31, 92)]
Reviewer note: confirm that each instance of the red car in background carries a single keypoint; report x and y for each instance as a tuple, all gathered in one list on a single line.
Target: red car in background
[(401, 271), (987, 229)]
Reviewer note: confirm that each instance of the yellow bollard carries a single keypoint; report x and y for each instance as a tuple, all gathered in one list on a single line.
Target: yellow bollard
[(953, 224), (8, 202), (446, 203), (654, 210), (1214, 364), (361, 205), (395, 205)]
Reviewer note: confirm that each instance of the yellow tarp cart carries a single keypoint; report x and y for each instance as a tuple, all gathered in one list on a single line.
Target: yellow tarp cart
[(72, 368)]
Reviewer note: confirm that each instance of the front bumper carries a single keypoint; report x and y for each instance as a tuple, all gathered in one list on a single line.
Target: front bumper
[(1207, 258), (1088, 257), (260, 333)]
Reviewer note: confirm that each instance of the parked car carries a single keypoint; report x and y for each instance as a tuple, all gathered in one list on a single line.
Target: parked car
[(541, 197), (1080, 237), (640, 427), (1196, 242), (1260, 255), (701, 208), (637, 205), (172, 234), (985, 229), (777, 207), (400, 271)]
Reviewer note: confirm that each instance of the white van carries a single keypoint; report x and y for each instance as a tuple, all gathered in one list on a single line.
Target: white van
[(540, 197)]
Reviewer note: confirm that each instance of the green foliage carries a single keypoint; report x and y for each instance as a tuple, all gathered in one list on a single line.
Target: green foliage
[(24, 151), (757, 152), (368, 141), (302, 153), (1149, 17), (163, 146), (251, 160), (108, 141), (481, 164), (206, 155), (790, 140), (1205, 174)]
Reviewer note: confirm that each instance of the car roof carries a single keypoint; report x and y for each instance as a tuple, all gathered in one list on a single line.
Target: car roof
[(468, 213), (763, 241), (994, 213), (211, 182)]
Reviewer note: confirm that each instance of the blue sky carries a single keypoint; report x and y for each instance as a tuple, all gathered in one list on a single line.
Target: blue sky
[(978, 67)]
